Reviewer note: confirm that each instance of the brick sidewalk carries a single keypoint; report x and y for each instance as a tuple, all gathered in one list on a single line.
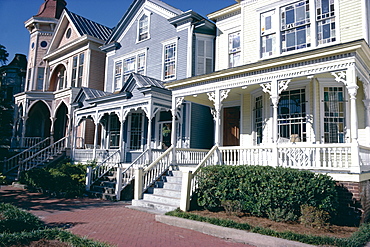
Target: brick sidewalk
[(110, 222)]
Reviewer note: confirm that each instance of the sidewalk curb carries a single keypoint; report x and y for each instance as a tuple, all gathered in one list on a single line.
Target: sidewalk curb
[(235, 235)]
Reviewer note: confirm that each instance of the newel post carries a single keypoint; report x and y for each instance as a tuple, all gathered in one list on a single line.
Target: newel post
[(118, 183), (185, 190), (138, 191), (88, 177)]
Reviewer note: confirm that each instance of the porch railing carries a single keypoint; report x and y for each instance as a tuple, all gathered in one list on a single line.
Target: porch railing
[(13, 162), (43, 155), (87, 155), (246, 156), (156, 169), (106, 165), (185, 156)]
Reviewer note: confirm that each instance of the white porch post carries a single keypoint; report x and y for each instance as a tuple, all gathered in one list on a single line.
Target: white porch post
[(52, 119), (176, 103), (95, 139), (24, 119), (349, 79), (275, 133), (218, 106), (149, 139), (121, 142)]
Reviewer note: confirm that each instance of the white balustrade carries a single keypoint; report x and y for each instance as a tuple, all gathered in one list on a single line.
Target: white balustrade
[(106, 165), (189, 156)]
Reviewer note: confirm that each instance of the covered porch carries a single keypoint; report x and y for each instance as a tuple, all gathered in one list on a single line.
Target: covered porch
[(307, 112)]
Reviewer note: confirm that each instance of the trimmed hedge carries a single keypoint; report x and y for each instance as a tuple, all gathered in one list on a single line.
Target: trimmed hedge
[(358, 239), (64, 179), (24, 238), (13, 219), (262, 190)]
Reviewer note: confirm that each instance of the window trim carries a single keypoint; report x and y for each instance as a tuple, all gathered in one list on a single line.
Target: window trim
[(148, 14), (164, 45), (231, 52), (121, 59), (142, 130), (77, 78), (313, 27), (207, 39)]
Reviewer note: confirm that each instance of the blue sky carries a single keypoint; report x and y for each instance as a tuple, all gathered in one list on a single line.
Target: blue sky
[(13, 13)]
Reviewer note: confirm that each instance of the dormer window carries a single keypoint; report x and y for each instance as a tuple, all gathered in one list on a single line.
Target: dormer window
[(143, 27)]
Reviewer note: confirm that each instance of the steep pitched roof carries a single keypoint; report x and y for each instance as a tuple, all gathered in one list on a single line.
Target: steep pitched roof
[(130, 13), (93, 93), (86, 26), (51, 9)]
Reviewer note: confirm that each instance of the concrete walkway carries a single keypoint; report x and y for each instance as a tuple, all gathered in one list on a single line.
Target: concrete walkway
[(119, 225)]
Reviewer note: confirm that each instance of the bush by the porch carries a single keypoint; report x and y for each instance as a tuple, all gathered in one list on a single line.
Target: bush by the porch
[(262, 190), (63, 179)]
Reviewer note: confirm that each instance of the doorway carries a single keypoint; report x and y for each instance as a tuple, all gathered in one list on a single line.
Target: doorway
[(231, 126)]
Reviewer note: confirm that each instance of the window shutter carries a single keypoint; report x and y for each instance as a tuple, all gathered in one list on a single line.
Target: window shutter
[(200, 51)]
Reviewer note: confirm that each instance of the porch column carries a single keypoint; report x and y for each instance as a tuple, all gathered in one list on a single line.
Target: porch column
[(24, 119), (217, 117), (95, 139), (121, 144), (149, 139), (275, 101), (176, 103), (52, 129)]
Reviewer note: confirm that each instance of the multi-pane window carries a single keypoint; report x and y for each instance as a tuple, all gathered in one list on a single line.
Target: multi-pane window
[(141, 64), (295, 26), (143, 28), (268, 34), (77, 70), (40, 78), (325, 17), (136, 131), (124, 67), (234, 50), (334, 115), (117, 75), (114, 132), (61, 78), (80, 69), (258, 119), (74, 70), (170, 61), (292, 115)]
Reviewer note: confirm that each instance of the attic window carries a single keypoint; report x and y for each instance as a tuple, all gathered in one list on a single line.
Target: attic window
[(143, 27), (68, 33)]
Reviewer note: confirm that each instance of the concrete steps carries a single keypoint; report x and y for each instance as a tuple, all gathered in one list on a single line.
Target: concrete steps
[(165, 195)]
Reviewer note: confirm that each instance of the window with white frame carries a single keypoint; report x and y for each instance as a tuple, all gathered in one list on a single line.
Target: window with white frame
[(170, 53), (204, 56), (334, 115), (81, 59), (292, 115), (325, 17), (268, 34), (234, 49), (117, 75), (295, 26), (136, 131), (125, 66), (77, 69), (40, 78), (143, 27), (258, 119)]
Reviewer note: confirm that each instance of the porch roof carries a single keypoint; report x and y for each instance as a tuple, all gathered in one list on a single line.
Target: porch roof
[(282, 67)]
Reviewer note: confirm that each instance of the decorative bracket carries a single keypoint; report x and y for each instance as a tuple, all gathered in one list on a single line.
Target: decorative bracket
[(282, 85), (340, 76)]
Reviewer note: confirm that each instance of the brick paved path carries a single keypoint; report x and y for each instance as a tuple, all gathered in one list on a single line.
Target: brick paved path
[(109, 222)]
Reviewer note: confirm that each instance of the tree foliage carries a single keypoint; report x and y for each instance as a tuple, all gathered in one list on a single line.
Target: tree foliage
[(3, 55)]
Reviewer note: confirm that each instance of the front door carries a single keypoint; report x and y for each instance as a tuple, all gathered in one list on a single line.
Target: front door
[(231, 128)]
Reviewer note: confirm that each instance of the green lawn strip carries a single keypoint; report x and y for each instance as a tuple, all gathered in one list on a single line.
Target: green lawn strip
[(358, 239), (8, 239)]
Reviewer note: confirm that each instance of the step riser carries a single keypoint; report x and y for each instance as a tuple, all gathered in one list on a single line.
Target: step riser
[(162, 208), (161, 199), (170, 179), (169, 193), (171, 186)]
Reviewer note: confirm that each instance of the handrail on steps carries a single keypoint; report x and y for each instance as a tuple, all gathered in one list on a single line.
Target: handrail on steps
[(13, 161), (204, 160), (97, 172)]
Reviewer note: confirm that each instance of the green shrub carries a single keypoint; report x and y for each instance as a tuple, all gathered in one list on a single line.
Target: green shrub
[(2, 179), (13, 219), (358, 239), (63, 179), (232, 207), (262, 190), (314, 217), (24, 238)]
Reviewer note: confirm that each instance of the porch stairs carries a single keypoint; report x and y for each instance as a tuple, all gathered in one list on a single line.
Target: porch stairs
[(164, 195), (34, 157), (105, 186)]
